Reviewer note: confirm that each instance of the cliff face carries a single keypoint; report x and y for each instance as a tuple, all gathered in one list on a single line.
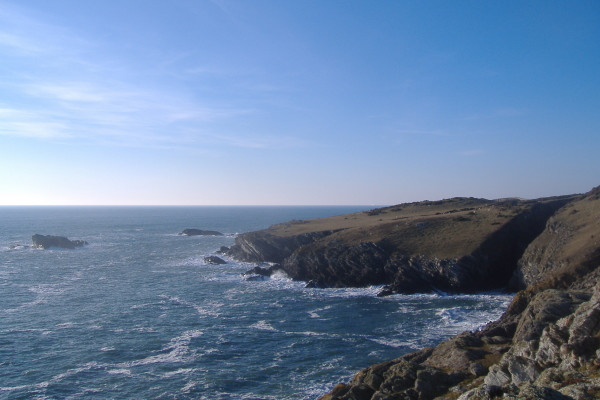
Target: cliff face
[(567, 247), (454, 245), (545, 346)]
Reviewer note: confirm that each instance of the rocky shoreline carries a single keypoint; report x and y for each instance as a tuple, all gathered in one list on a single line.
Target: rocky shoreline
[(546, 344)]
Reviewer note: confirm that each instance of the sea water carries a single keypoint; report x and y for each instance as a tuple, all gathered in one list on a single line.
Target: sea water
[(139, 314)]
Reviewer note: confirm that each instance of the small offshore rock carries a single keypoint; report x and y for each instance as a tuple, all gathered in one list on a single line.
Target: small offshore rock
[(223, 250), (385, 291), (255, 277), (214, 260), (314, 284), (199, 232), (47, 241), (259, 273)]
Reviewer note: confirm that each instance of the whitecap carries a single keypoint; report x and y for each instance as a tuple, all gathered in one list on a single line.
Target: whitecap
[(280, 275), (119, 371), (189, 386), (66, 325), (208, 310), (263, 326), (180, 371), (391, 342), (178, 351), (54, 379), (315, 313)]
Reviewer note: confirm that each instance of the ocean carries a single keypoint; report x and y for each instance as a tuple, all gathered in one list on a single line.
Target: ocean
[(139, 314)]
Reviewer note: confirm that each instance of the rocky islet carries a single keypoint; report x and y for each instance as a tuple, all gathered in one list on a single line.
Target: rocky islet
[(48, 241)]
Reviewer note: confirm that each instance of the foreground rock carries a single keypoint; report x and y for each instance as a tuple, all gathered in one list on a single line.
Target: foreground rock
[(199, 232), (47, 241), (545, 346), (214, 260), (454, 245)]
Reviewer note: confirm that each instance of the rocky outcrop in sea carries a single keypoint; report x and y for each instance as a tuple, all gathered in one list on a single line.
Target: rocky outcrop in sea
[(547, 343), (198, 232), (47, 241)]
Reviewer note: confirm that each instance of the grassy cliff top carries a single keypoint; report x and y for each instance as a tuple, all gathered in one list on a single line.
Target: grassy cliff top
[(446, 228)]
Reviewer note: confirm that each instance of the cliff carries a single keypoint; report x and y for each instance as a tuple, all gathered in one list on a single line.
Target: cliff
[(547, 343), (454, 245)]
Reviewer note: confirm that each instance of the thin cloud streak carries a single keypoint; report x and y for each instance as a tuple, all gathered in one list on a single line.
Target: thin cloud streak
[(93, 104)]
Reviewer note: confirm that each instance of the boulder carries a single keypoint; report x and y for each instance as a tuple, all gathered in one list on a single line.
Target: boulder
[(46, 241), (222, 250), (199, 232), (260, 273), (214, 260)]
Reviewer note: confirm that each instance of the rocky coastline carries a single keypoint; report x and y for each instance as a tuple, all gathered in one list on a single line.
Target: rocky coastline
[(546, 344)]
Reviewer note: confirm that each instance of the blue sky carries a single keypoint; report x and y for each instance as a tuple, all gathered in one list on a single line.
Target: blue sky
[(194, 102)]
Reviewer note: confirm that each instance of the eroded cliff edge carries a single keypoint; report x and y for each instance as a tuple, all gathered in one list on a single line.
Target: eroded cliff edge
[(454, 245), (546, 344)]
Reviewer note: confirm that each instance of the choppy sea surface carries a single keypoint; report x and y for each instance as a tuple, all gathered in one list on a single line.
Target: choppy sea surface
[(138, 314)]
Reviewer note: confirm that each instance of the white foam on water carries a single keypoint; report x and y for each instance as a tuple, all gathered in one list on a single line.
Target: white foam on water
[(207, 310), (281, 276), (177, 350), (180, 371), (66, 325), (189, 386), (390, 342), (263, 326), (119, 371), (315, 313), (369, 291), (54, 379)]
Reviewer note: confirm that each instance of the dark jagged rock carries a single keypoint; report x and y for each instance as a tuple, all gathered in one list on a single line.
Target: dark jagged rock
[(199, 232), (47, 241), (259, 273), (338, 266), (262, 246), (223, 250), (214, 260)]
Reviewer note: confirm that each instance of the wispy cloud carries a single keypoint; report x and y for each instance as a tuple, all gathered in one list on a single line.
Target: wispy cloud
[(63, 86)]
